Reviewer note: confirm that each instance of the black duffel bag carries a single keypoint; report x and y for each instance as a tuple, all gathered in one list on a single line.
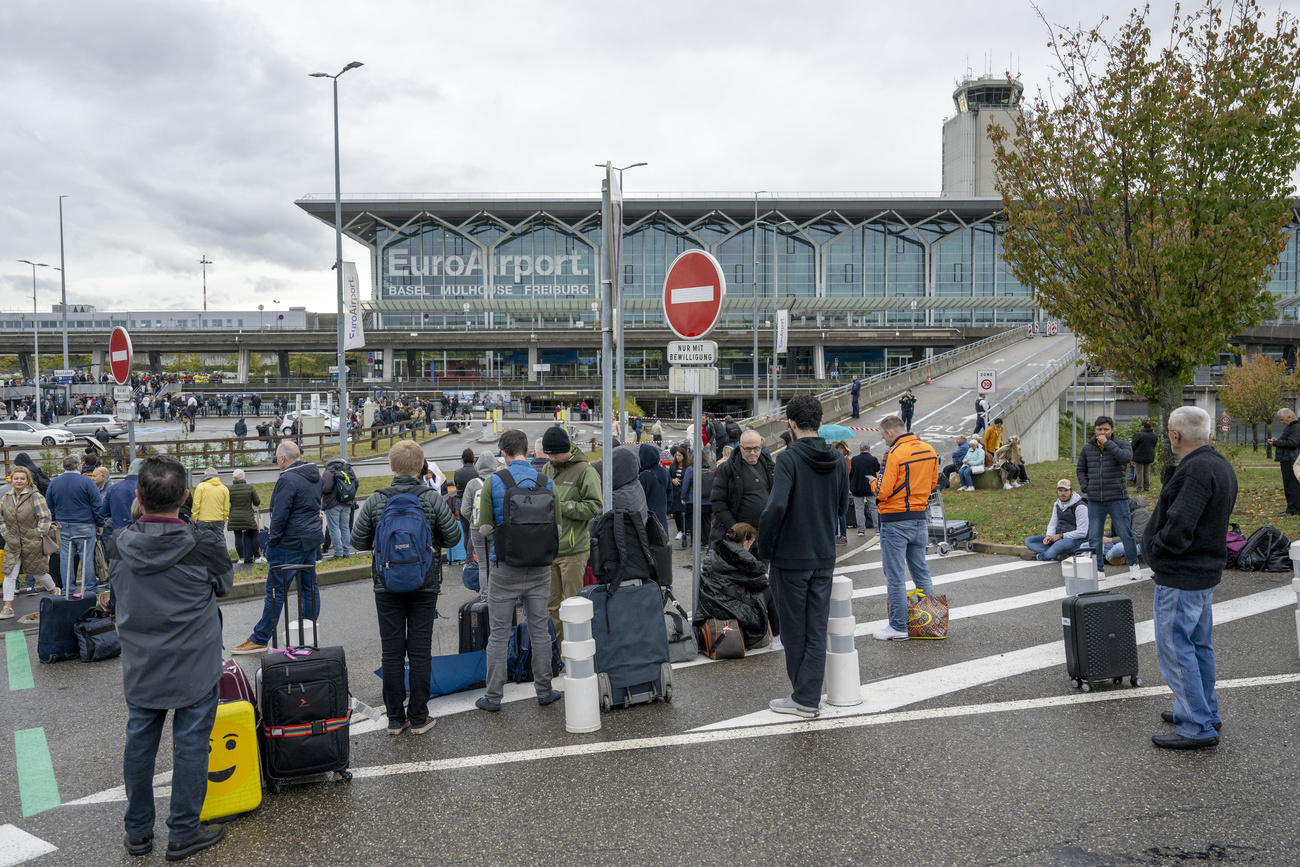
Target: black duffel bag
[(96, 636), (1267, 550)]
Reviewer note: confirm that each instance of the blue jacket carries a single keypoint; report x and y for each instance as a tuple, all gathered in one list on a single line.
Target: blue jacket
[(117, 502), (74, 499), (959, 453), (688, 485), (655, 482), (295, 508), (525, 477)]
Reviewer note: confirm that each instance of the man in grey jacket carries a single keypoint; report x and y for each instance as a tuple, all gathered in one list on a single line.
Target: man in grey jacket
[(1102, 472), (166, 576)]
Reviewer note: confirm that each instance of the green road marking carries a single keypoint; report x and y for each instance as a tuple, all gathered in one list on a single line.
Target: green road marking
[(20, 666), (36, 785)]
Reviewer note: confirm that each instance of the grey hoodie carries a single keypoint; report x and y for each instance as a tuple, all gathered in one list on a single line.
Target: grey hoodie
[(628, 493), (485, 464), (166, 578)]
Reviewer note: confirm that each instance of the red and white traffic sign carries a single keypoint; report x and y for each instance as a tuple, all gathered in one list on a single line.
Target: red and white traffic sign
[(1226, 419), (986, 381), (693, 293), (119, 355)]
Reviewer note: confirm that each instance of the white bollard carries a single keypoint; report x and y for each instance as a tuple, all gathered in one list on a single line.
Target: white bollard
[(843, 682), (581, 688), (1295, 585)]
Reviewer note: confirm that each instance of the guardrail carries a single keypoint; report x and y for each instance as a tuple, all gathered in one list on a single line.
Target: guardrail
[(1004, 406)]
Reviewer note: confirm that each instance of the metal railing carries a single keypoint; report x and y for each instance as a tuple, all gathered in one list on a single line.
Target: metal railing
[(1018, 394)]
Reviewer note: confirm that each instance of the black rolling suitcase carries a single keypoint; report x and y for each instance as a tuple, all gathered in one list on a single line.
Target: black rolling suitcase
[(1100, 639), (632, 661), (303, 695), (473, 626)]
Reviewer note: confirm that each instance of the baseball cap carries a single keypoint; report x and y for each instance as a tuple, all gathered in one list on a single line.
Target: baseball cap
[(1065, 483)]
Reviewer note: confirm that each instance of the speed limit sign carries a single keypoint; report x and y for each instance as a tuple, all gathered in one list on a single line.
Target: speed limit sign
[(1227, 419), (986, 380), (1225, 428)]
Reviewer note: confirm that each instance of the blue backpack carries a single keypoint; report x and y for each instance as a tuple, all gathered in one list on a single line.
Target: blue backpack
[(404, 552), (519, 654)]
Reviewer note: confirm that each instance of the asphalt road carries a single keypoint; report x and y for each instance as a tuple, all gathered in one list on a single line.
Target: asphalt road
[(973, 750)]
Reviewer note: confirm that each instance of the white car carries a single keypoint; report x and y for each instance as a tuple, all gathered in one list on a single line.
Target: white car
[(331, 421), (30, 433), (86, 425)]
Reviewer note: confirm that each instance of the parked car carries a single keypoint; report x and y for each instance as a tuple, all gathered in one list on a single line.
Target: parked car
[(30, 433), (86, 425), (286, 425)]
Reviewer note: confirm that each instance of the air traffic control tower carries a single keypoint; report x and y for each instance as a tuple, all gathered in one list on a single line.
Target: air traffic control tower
[(967, 150)]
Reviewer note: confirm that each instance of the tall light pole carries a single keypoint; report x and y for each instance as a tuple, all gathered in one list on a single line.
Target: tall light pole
[(205, 262), (620, 394), (36, 335), (63, 283), (338, 261), (754, 285), (776, 290)]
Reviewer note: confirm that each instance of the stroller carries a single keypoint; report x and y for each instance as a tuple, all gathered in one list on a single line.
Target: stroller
[(943, 533)]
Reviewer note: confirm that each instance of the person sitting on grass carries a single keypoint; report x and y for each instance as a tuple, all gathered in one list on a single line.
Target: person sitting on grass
[(972, 464), (1008, 461), (1138, 515), (1066, 531)]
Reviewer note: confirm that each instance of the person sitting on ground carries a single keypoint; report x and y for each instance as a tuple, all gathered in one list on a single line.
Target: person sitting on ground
[(1008, 461), (1138, 516), (958, 455), (1067, 529), (971, 465), (733, 584)]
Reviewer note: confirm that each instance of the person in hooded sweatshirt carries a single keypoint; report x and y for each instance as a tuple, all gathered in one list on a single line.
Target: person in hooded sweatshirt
[(166, 576), (485, 465), (796, 536), (655, 482), (577, 500), (41, 480), (627, 484), (295, 537)]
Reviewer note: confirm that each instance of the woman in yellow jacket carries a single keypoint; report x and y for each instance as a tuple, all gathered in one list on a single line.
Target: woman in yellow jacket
[(993, 437), (211, 500)]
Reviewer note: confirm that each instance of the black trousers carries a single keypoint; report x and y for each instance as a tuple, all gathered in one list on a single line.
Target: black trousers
[(1291, 487), (406, 632)]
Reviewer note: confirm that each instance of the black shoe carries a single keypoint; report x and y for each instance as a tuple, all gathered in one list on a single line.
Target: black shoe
[(206, 838), (550, 697), (143, 846), (1178, 742), (1168, 716)]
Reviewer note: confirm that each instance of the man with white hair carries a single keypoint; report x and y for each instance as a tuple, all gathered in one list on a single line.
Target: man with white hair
[(1185, 544), (1285, 449)]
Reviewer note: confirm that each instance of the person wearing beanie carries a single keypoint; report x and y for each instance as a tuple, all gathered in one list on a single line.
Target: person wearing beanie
[(242, 522), (211, 500), (577, 500)]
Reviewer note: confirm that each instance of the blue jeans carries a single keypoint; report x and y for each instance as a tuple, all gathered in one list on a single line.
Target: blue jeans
[(1184, 625), (967, 476), (803, 603), (1117, 549), (277, 586), (339, 519), (1118, 512), (82, 535), (1054, 550), (903, 542), (191, 731)]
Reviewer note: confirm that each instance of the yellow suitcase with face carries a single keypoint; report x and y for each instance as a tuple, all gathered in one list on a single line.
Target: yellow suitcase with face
[(234, 763)]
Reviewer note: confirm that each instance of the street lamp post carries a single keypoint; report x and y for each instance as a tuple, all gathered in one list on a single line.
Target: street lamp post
[(754, 285), (618, 322), (338, 261), (204, 261), (63, 282), (36, 335)]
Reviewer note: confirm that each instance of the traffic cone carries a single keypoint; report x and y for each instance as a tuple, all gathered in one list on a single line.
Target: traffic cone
[(928, 381)]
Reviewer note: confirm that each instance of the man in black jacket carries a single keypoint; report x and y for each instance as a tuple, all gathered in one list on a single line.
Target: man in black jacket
[(796, 534), (1185, 544), (863, 469), (741, 487), (1286, 447), (1102, 472)]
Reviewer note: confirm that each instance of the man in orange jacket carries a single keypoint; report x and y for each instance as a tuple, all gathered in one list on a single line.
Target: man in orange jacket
[(908, 474)]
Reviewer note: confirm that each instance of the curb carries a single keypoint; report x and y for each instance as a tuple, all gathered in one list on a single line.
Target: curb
[(252, 589), (998, 548)]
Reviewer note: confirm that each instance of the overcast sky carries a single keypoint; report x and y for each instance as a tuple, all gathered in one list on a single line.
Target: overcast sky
[(184, 129)]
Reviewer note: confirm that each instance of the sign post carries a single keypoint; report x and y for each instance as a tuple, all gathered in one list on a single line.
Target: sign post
[(694, 289), (120, 355), (781, 345)]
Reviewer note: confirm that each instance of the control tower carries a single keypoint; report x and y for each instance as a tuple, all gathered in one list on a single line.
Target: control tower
[(967, 151)]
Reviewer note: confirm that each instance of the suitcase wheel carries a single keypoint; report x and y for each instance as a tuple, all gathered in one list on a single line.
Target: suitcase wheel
[(345, 775), (970, 546), (944, 548), (275, 787), (1085, 686), (666, 679), (1117, 681), (606, 694), (1075, 683), (1135, 680)]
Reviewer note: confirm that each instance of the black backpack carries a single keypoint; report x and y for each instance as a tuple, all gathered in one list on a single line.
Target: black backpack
[(526, 536), (1267, 550), (733, 431), (623, 549)]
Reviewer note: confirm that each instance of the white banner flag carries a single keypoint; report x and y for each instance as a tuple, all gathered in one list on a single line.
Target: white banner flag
[(782, 331), (354, 336)]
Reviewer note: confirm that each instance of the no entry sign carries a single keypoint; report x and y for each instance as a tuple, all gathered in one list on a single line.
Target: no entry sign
[(119, 355), (693, 293)]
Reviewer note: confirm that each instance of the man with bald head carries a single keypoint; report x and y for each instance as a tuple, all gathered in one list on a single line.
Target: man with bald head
[(741, 487), (1285, 449)]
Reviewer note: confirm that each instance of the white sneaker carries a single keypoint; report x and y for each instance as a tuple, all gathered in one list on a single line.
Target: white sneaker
[(889, 633), (776, 643), (787, 705), (1015, 484), (679, 537), (1134, 572), (1006, 486)]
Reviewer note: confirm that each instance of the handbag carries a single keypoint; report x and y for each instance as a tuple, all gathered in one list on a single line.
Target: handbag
[(722, 639), (681, 636), (927, 616), (96, 636), (51, 541)]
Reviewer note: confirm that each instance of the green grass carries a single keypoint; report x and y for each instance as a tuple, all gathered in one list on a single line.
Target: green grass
[(258, 572)]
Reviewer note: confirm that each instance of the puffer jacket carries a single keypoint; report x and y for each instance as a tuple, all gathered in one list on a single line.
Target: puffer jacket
[(975, 458), (443, 525), (243, 499), (1102, 472), (730, 580), (24, 521), (295, 508), (211, 500), (908, 474), (576, 487)]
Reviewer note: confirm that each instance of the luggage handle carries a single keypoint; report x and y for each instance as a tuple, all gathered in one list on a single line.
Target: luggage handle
[(299, 568)]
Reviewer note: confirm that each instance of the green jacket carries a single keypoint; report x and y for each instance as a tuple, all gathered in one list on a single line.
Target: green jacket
[(577, 501), (445, 527)]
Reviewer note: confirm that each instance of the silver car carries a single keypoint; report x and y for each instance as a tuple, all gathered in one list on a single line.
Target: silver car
[(86, 425), (30, 433)]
